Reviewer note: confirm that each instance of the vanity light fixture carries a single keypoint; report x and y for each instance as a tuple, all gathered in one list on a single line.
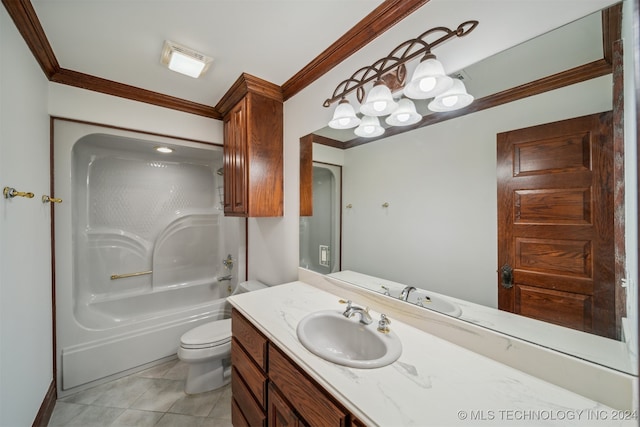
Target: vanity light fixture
[(164, 150), (369, 127), (404, 115), (183, 60), (429, 80), (453, 99), (344, 116), (379, 102)]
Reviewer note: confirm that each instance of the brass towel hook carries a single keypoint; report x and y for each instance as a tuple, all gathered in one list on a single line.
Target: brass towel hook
[(10, 193), (49, 199)]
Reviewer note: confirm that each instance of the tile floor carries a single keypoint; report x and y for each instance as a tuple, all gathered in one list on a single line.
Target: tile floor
[(154, 397)]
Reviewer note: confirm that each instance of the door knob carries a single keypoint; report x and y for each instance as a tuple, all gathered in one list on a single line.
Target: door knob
[(506, 273)]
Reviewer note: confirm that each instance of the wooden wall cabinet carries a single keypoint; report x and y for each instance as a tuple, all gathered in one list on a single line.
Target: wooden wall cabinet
[(253, 149), (271, 390)]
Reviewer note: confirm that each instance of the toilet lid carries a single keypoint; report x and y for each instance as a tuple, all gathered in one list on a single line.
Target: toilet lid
[(208, 335)]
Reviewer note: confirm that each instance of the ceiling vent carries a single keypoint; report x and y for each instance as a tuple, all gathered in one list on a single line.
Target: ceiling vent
[(183, 60)]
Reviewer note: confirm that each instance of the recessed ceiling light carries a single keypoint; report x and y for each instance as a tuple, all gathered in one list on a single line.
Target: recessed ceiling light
[(164, 149), (183, 60)]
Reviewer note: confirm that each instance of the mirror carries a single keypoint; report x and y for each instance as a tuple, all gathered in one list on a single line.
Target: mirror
[(438, 229)]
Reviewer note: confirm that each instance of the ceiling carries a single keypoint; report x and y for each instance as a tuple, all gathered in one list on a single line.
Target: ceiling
[(120, 41)]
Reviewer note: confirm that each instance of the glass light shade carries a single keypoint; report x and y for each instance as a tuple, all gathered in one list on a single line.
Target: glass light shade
[(453, 99), (369, 127), (379, 101), (429, 79), (344, 116), (404, 115)]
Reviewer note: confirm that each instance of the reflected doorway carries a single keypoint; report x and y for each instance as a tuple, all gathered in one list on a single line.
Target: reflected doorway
[(320, 233)]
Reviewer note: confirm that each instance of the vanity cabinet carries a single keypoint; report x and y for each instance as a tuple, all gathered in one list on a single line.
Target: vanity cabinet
[(253, 149), (269, 389), (249, 374)]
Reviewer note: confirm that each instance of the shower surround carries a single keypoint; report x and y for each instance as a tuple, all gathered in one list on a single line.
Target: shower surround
[(140, 240)]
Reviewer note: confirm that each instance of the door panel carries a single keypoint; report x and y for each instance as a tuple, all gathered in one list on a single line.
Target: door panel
[(555, 222)]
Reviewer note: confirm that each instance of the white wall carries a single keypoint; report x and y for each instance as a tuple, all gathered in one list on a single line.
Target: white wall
[(439, 232), (26, 361)]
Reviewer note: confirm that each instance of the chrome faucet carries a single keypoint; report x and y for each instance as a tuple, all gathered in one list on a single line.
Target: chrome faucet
[(404, 295), (365, 317)]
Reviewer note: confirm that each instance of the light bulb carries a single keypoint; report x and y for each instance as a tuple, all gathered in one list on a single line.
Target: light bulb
[(449, 101), (403, 117), (427, 84), (344, 121), (368, 129), (379, 105)]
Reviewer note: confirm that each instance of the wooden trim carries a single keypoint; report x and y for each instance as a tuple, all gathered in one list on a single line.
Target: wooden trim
[(110, 87), (242, 86), (164, 135), (611, 30), (28, 24), (46, 408), (306, 175), (385, 16), (575, 75), (325, 140), (54, 355), (618, 187)]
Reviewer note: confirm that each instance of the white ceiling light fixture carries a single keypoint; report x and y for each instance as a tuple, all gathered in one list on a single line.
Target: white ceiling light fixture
[(184, 60), (429, 79), (344, 116), (163, 149), (453, 99), (379, 101), (369, 127), (404, 115)]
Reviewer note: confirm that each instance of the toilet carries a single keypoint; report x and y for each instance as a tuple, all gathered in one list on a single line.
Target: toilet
[(207, 350)]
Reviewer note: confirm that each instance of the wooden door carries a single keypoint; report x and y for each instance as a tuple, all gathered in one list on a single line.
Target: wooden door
[(279, 413), (235, 136), (555, 223)]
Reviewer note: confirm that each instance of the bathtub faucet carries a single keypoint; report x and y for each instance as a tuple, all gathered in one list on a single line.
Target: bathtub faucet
[(223, 278)]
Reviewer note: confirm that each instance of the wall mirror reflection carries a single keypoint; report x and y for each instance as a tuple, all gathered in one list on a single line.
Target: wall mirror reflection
[(426, 209)]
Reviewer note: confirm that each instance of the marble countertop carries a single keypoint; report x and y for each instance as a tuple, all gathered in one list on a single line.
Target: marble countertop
[(434, 382), (601, 350)]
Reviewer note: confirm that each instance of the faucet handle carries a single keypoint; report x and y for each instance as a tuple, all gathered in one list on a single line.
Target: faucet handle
[(386, 290), (348, 302), (383, 324)]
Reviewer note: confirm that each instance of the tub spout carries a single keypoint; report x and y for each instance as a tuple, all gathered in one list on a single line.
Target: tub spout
[(223, 278)]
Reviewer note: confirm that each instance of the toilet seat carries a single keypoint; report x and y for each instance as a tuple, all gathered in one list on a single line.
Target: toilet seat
[(210, 334)]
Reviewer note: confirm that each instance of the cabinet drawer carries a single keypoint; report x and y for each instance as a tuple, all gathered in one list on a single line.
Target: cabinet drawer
[(237, 419), (254, 343), (252, 412), (305, 395), (254, 378)]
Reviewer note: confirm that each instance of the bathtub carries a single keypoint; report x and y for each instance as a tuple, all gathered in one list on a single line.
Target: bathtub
[(140, 240)]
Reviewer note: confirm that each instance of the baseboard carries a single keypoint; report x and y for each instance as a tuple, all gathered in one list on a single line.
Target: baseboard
[(46, 409)]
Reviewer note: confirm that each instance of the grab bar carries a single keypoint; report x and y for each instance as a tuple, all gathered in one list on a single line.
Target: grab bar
[(124, 276)]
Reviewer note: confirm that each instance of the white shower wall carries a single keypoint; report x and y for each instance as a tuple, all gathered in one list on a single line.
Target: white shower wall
[(128, 209)]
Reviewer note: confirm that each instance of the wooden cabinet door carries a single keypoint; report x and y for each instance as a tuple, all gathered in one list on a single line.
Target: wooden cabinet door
[(555, 223), (279, 413), (235, 153)]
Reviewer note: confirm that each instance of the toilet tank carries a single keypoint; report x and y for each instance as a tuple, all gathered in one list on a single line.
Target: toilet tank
[(248, 286)]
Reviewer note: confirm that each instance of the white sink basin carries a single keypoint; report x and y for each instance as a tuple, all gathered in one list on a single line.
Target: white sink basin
[(333, 337)]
